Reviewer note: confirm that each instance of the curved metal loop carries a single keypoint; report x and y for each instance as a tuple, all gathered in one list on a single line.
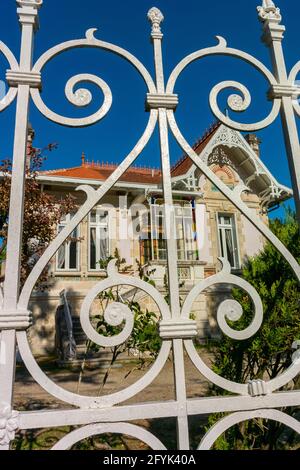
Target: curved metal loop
[(93, 198), (293, 73), (116, 313), (239, 104), (224, 424), (6, 100), (292, 79), (236, 102), (234, 197), (114, 317), (115, 428), (83, 97), (229, 309), (234, 387)]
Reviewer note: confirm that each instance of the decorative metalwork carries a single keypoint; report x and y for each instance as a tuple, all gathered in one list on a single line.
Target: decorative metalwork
[(220, 157), (96, 429), (176, 328)]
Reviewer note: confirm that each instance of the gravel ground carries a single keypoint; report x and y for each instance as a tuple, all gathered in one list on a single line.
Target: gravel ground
[(28, 394)]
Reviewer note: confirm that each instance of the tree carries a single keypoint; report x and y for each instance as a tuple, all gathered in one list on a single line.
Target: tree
[(269, 352), (42, 213)]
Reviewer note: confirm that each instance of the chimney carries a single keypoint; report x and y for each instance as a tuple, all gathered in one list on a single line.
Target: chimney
[(82, 159), (254, 143), (30, 139)]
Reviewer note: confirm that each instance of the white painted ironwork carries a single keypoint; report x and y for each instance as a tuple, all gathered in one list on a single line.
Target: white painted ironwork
[(99, 414)]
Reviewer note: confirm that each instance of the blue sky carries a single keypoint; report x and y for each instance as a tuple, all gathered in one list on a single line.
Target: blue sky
[(189, 25)]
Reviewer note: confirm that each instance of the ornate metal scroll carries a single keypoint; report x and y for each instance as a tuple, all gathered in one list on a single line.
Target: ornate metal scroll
[(98, 415)]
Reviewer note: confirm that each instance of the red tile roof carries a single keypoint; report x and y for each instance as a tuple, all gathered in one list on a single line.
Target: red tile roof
[(101, 171), (96, 171)]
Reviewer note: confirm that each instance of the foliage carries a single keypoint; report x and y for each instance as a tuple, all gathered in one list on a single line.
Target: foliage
[(144, 342), (42, 213), (268, 353)]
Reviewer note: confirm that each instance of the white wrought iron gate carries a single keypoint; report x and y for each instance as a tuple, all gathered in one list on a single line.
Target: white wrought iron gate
[(97, 415)]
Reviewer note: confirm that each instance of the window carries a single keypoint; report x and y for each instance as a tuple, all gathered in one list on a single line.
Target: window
[(228, 239), (98, 238), (68, 254), (158, 232), (153, 240)]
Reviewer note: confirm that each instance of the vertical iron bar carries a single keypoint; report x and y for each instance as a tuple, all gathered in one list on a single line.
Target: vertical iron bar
[(273, 37), (28, 19), (156, 17)]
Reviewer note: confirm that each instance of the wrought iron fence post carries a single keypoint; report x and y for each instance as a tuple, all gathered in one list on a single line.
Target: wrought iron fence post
[(163, 101), (11, 318), (273, 35)]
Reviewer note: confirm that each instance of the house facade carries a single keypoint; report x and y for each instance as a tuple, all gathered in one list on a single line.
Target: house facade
[(129, 221)]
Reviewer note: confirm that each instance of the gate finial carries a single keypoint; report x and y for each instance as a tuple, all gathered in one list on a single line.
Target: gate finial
[(155, 17), (269, 12)]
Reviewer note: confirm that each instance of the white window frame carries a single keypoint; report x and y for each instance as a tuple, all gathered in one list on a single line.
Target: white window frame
[(66, 247), (188, 242), (154, 214), (233, 228), (98, 225)]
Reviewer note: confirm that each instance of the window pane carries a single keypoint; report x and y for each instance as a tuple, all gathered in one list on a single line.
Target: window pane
[(103, 216), (228, 239), (179, 229), (93, 248), (155, 249), (61, 257), (145, 226), (178, 212), (93, 216), (221, 243), (192, 255), (73, 250), (162, 251), (145, 246), (161, 225), (181, 249), (61, 254), (153, 222), (188, 230), (185, 232)]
